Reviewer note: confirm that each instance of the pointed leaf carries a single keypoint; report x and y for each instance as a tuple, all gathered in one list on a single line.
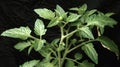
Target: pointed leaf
[(30, 49), (109, 14), (39, 28), (86, 32), (22, 45), (60, 11), (86, 64), (90, 52), (69, 63), (22, 33), (82, 9), (32, 63), (45, 13), (88, 13), (100, 21), (72, 17), (109, 44)]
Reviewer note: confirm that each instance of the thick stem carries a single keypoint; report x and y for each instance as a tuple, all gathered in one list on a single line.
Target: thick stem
[(59, 51)]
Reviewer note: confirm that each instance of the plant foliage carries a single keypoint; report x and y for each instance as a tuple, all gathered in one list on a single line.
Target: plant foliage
[(76, 27)]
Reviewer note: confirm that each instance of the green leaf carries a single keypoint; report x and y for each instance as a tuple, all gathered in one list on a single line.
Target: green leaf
[(72, 17), (69, 63), (109, 44), (38, 44), (45, 50), (109, 14), (60, 11), (74, 8), (73, 41), (90, 52), (86, 64), (22, 45), (78, 56), (86, 32), (54, 22), (100, 21), (101, 30), (22, 33), (88, 13), (82, 9), (45, 64), (32, 63), (55, 42), (45, 13), (30, 49), (39, 28)]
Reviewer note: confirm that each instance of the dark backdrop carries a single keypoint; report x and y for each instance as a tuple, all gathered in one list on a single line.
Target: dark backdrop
[(15, 13)]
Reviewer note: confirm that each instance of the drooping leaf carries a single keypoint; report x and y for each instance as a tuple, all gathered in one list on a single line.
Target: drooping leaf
[(86, 64), (39, 28), (86, 32), (109, 44), (45, 13), (72, 17), (54, 22), (22, 45), (31, 63), (90, 52), (38, 44), (22, 33), (69, 63), (78, 56)]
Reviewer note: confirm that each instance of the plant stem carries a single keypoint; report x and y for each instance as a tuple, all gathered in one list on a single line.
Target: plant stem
[(64, 56), (59, 58), (34, 37), (61, 41), (80, 45), (73, 60), (71, 33)]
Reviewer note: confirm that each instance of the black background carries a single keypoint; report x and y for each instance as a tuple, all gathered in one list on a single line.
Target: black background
[(16, 13)]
